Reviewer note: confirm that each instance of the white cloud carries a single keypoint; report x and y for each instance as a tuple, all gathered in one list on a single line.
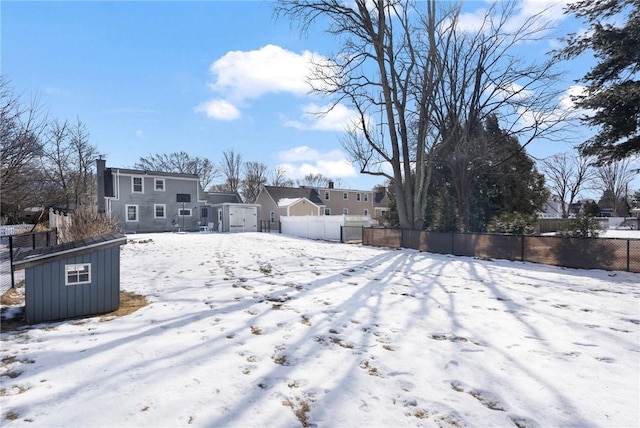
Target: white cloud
[(304, 160), (219, 109), (317, 118), (139, 133), (239, 76), (243, 75)]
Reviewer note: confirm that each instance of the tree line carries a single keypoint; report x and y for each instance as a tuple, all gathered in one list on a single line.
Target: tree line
[(445, 112)]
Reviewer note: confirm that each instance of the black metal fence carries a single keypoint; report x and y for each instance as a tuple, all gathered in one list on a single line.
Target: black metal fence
[(12, 245), (580, 253)]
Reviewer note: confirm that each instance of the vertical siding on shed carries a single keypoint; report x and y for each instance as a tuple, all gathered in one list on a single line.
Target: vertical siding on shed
[(48, 298)]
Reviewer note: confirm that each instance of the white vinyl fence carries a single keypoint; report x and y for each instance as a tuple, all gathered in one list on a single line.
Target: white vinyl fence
[(324, 227), (15, 229)]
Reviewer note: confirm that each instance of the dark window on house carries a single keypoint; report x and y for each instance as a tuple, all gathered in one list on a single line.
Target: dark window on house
[(326, 195), (159, 184), (204, 212), (159, 211), (345, 196), (358, 197), (137, 185), (132, 212)]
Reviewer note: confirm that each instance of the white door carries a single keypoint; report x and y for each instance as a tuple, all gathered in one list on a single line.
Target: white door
[(243, 219)]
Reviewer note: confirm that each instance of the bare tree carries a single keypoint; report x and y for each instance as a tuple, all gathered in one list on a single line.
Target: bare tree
[(567, 176), (431, 82), (314, 180), (279, 178), (614, 179), (231, 168), (180, 162), (255, 176), (21, 128), (67, 161)]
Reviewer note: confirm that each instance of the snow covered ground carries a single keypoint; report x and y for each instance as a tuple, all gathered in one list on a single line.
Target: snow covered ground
[(247, 330)]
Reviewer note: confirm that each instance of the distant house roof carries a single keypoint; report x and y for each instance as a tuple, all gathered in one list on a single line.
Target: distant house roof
[(380, 199), (153, 173), (278, 193), (214, 198)]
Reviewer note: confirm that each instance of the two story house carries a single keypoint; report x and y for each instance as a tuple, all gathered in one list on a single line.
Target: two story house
[(152, 201), (297, 201)]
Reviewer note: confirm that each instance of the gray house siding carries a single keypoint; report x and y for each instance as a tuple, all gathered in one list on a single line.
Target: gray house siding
[(145, 203)]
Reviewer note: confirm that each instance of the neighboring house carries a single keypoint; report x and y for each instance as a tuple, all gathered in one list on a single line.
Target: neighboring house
[(152, 201), (552, 209), (296, 201)]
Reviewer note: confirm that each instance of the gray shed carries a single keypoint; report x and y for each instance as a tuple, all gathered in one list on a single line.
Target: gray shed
[(73, 279)]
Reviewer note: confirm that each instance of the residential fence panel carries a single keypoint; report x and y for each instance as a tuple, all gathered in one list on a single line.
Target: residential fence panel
[(580, 253), (12, 245)]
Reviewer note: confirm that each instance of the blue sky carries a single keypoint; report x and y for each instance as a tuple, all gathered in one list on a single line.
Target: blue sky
[(203, 77)]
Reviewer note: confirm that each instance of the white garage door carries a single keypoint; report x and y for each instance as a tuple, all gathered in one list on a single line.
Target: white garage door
[(243, 219)]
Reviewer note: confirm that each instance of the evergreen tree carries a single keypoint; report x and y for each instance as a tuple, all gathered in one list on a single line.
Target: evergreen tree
[(613, 88)]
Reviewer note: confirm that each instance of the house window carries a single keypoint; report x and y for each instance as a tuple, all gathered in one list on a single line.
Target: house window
[(159, 184), (345, 196), (159, 211), (326, 195), (204, 212), (327, 211), (78, 274), (358, 197), (136, 185), (272, 216), (366, 197), (345, 211), (184, 212), (366, 212), (131, 212)]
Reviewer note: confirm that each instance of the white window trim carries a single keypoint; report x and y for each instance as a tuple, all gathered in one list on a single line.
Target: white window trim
[(366, 211), (74, 271), (327, 211), (345, 196), (366, 197), (327, 195), (133, 178), (358, 197), (126, 213), (185, 209), (164, 211), (155, 182), (345, 211)]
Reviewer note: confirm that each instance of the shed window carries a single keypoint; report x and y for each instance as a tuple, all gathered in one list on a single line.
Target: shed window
[(159, 184), (78, 274), (132, 212), (136, 185)]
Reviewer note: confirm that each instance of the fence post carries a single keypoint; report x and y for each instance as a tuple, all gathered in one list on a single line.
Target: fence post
[(13, 285), (522, 248)]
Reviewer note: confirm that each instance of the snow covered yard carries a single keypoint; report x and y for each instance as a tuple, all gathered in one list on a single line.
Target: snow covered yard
[(266, 330)]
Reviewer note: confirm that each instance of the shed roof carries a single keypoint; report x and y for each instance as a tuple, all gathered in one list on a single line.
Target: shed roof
[(39, 256)]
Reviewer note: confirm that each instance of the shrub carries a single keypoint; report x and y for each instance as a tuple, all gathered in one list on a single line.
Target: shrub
[(582, 226), (511, 222), (86, 224)]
